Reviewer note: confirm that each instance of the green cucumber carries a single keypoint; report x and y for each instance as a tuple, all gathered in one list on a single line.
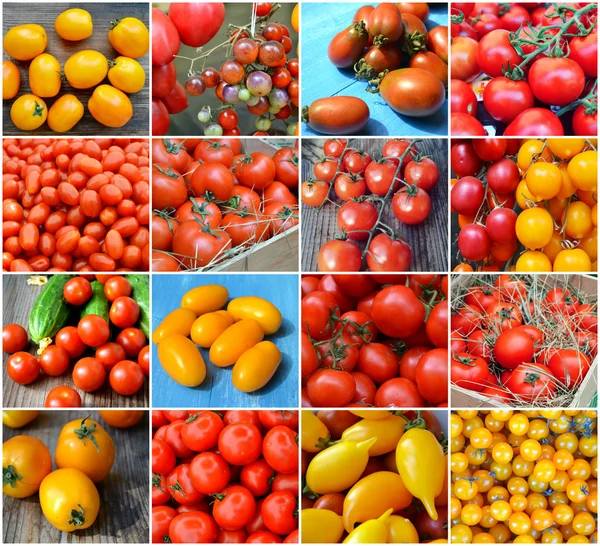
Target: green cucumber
[(98, 304), (50, 311), (141, 294)]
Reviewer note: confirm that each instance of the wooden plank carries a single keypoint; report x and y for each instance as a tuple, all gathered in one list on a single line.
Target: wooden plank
[(123, 516), (320, 78), (217, 391), (45, 14), (18, 301), (429, 240)]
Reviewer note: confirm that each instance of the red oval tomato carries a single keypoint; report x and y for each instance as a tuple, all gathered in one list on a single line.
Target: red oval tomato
[(413, 92), (165, 38), (338, 115)]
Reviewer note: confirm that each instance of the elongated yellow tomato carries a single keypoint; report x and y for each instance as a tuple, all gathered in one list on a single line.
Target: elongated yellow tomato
[(182, 360), (74, 25), (25, 42), (208, 327), (255, 368), (314, 433), (373, 531), (321, 526), (126, 74), (65, 113), (18, 418), (205, 299), (371, 414), (86, 446), (401, 531), (11, 80), (235, 341), (44, 76), (338, 467), (26, 461), (28, 112), (388, 432), (420, 462), (259, 309), (86, 68), (176, 322), (109, 106), (69, 500), (129, 36), (372, 496)]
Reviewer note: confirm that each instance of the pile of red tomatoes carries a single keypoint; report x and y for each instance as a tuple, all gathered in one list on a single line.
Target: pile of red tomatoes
[(534, 56), (374, 340)]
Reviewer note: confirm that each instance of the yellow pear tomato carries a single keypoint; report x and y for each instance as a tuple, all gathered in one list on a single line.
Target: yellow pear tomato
[(388, 432), (129, 36), (182, 361), (256, 366), (320, 526), (25, 42), (401, 531), (28, 112), (208, 327), (373, 531), (11, 80), (110, 107), (295, 17), (65, 113), (314, 433), (259, 309), (45, 76), (74, 25), (126, 74), (86, 68), (26, 461)]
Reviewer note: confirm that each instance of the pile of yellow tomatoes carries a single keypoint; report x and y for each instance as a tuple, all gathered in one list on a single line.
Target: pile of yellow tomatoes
[(85, 69), (524, 477)]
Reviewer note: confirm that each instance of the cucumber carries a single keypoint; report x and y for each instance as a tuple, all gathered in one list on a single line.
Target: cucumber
[(141, 294), (97, 304), (50, 311)]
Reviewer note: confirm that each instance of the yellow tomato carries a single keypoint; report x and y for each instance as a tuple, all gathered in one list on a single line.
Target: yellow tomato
[(129, 36), (401, 531), (524, 196), (182, 361), (44, 76), (577, 219), (205, 299), (572, 260), (86, 446), (589, 244), (126, 74), (122, 418), (530, 450), (259, 309), (338, 467), (373, 531), (371, 414), (567, 188), (321, 526), (502, 452), (583, 170), (388, 432), (295, 17), (456, 425), (235, 341), (314, 433), (563, 514), (534, 228), (256, 366), (208, 327), (481, 438), (110, 107), (544, 180), (179, 321), (532, 148), (565, 148), (26, 461), (25, 42), (86, 69), (74, 25), (461, 534), (69, 500), (552, 249), (28, 112), (471, 514), (533, 261), (65, 113), (18, 418), (11, 80)]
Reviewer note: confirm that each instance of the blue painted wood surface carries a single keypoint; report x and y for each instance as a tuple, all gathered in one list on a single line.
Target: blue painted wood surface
[(320, 23), (217, 390)]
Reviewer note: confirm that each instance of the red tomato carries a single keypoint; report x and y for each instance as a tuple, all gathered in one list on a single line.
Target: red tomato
[(535, 122), (531, 382), (330, 388), (569, 366), (196, 23), (54, 360), (279, 512), (240, 443), (398, 392), (210, 473), (513, 348), (556, 81), (14, 338), (280, 449), (495, 52), (432, 376), (378, 362), (386, 254), (201, 430), (126, 377), (193, 527), (23, 368), (397, 312), (339, 256), (165, 38), (63, 397), (468, 371)]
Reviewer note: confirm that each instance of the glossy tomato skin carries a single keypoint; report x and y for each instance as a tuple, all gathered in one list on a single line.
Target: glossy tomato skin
[(505, 99), (339, 256), (531, 382), (584, 51), (584, 124), (463, 159), (462, 98), (413, 92), (197, 23), (463, 59), (535, 122), (474, 242), (494, 53), (165, 38), (432, 376), (347, 46), (386, 254), (556, 81), (465, 125), (339, 115)]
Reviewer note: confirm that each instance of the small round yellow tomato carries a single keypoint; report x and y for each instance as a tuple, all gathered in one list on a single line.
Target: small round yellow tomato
[(565, 148), (28, 112), (570, 260), (69, 500), (532, 148), (589, 244), (320, 525), (563, 514), (126, 74), (552, 249), (235, 341), (25, 42), (259, 309), (583, 170), (455, 507), (110, 107), (577, 490), (530, 450), (544, 471), (471, 514), (11, 80), (502, 452), (500, 510), (182, 361), (534, 228), (461, 534), (205, 299), (588, 445), (255, 367), (86, 446), (74, 25), (26, 461), (580, 469), (567, 188), (86, 69), (577, 218), (459, 462), (533, 261), (179, 321), (465, 490), (44, 76), (129, 36), (481, 438), (122, 418), (544, 180), (18, 418), (208, 327), (519, 523), (65, 113), (518, 424), (518, 503), (584, 523)]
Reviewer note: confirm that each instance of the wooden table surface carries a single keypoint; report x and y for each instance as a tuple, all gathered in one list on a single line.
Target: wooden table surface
[(217, 390), (44, 14), (18, 301), (429, 240), (123, 516), (320, 78)]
